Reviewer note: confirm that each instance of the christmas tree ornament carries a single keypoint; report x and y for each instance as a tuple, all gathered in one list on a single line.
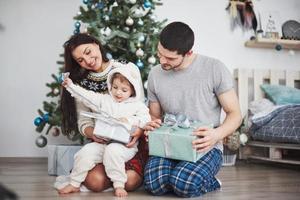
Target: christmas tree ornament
[(105, 31), (106, 18), (41, 141), (153, 17), (139, 52), (126, 29), (55, 91), (99, 5), (37, 121), (108, 56), (77, 25), (76, 31), (132, 1), (140, 22), (46, 117), (139, 63), (85, 1), (278, 47), (151, 60), (78, 13), (55, 131), (129, 21), (147, 4), (146, 85), (138, 12), (115, 4), (155, 31), (141, 38)]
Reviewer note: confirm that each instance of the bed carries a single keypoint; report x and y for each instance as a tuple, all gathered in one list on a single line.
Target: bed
[(274, 149)]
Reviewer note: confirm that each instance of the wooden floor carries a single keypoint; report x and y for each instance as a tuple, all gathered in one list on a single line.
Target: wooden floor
[(29, 179)]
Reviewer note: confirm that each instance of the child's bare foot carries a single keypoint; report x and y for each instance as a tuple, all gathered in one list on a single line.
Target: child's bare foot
[(68, 189), (121, 192)]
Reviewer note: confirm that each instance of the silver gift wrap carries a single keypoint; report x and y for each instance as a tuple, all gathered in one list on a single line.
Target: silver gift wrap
[(109, 128)]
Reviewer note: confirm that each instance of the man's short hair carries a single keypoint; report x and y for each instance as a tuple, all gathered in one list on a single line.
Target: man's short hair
[(177, 36)]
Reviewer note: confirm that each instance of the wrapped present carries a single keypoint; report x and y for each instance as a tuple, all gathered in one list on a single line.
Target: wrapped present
[(61, 158), (174, 139), (109, 128)]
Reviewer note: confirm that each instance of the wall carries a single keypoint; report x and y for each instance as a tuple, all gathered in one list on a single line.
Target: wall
[(34, 31)]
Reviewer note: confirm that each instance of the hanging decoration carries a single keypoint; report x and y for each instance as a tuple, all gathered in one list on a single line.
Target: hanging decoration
[(242, 15)]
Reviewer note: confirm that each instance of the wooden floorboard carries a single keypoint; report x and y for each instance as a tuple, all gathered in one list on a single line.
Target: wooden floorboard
[(28, 178)]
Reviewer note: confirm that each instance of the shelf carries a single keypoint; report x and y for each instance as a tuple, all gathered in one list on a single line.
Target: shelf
[(271, 43)]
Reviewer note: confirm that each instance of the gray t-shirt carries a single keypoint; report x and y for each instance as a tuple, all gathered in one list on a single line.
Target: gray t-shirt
[(192, 91)]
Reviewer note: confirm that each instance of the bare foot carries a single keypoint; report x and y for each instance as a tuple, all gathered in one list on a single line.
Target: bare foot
[(68, 189), (121, 192)]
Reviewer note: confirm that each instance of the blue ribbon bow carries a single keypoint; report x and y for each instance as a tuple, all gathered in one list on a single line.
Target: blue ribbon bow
[(177, 120)]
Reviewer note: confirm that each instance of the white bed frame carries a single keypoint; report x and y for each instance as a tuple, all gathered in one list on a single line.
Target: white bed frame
[(248, 83)]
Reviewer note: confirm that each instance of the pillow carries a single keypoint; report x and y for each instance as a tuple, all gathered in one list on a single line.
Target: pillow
[(281, 94)]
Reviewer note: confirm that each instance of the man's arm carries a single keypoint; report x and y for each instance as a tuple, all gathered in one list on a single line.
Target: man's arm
[(230, 104), (233, 119), (155, 110)]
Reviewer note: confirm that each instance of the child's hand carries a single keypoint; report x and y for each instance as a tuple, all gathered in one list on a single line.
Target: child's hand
[(63, 79), (67, 81), (135, 136)]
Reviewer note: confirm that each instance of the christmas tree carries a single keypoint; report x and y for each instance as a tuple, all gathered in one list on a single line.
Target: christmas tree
[(128, 29)]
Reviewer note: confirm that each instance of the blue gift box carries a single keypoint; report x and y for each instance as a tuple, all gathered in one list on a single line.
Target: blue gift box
[(175, 142), (61, 158)]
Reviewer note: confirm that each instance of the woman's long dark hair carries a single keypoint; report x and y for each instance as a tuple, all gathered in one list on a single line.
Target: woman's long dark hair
[(77, 73)]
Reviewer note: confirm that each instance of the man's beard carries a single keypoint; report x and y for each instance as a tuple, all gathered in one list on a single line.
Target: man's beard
[(169, 67)]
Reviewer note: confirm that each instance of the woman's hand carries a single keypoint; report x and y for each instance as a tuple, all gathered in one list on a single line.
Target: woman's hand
[(89, 132), (99, 140), (208, 137), (135, 136), (150, 126)]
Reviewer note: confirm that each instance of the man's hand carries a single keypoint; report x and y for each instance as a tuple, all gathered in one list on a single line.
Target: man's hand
[(208, 137), (135, 136), (150, 126)]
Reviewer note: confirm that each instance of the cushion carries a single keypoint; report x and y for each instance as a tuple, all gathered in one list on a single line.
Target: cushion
[(281, 95)]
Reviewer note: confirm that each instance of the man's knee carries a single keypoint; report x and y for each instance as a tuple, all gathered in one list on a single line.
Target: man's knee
[(183, 185), (97, 180), (156, 177)]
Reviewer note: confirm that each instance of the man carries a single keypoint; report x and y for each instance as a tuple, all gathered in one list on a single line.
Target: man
[(198, 87)]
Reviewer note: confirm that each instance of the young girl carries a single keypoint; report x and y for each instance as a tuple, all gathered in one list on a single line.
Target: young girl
[(122, 102)]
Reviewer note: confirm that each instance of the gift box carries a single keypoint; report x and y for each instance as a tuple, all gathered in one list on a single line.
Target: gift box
[(109, 128), (174, 141), (61, 158), (116, 132)]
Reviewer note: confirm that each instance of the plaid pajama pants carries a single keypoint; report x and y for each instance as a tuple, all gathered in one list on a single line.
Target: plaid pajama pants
[(185, 179)]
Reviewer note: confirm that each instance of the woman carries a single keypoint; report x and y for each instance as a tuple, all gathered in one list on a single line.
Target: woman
[(86, 60)]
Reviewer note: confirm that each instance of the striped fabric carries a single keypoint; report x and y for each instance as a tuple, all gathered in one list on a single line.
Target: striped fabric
[(185, 179)]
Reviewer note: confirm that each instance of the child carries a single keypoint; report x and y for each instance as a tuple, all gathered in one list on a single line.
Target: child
[(122, 102)]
